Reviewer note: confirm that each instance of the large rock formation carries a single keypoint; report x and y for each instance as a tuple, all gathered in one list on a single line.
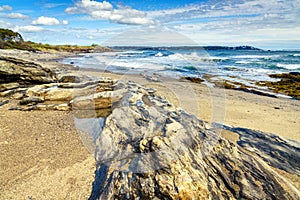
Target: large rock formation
[(150, 150), (24, 72)]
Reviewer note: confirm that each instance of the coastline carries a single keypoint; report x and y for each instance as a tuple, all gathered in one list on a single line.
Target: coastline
[(278, 116), (273, 115)]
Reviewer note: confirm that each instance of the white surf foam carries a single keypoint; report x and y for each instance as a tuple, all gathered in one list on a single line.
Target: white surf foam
[(289, 66)]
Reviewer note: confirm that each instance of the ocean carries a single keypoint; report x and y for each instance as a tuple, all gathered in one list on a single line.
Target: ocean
[(243, 66)]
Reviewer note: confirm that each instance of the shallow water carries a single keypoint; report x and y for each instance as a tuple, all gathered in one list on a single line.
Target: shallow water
[(245, 66)]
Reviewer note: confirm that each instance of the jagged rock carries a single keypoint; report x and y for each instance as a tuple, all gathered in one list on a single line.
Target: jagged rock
[(62, 107), (15, 93), (7, 93), (194, 79), (3, 102), (31, 100), (154, 151), (23, 72), (8, 86), (69, 78)]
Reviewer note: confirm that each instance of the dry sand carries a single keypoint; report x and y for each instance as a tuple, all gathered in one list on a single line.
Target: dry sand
[(42, 156)]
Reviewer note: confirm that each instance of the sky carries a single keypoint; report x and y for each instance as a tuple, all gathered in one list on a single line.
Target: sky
[(267, 24)]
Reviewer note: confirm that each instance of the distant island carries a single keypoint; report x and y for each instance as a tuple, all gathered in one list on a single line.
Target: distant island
[(170, 48)]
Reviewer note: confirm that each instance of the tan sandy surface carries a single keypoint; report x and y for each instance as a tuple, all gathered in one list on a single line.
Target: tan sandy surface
[(42, 156)]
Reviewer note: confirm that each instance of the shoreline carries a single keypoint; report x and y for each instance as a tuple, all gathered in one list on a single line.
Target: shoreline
[(37, 143), (274, 84), (280, 115)]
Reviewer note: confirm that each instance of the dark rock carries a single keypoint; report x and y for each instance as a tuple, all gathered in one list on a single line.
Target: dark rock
[(288, 84), (242, 87), (8, 86), (69, 78), (31, 100), (23, 72), (194, 79), (295, 73), (3, 102)]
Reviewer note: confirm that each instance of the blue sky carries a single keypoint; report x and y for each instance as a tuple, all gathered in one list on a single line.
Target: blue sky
[(272, 24)]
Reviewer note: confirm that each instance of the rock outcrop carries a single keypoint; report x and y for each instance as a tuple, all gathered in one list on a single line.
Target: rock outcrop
[(288, 84), (276, 151), (24, 72), (150, 150)]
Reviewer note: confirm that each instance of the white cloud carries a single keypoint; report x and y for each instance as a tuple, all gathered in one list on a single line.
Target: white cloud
[(212, 22), (231, 9), (53, 5), (17, 16), (105, 11), (86, 6), (47, 21), (235, 22), (28, 29), (130, 16), (5, 7), (65, 22)]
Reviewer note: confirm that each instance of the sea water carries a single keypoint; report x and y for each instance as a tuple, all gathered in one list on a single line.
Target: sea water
[(245, 66)]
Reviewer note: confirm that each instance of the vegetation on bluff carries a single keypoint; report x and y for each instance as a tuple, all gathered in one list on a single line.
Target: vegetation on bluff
[(13, 40), (10, 40)]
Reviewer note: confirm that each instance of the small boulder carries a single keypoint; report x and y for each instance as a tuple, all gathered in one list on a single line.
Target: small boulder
[(31, 100)]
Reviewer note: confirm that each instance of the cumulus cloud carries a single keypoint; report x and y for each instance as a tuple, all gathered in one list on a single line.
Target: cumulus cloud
[(130, 16), (17, 16), (5, 7), (65, 22), (28, 29), (86, 6), (105, 11), (48, 21)]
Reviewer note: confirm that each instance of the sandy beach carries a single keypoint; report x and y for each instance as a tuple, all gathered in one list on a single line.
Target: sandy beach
[(42, 156)]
